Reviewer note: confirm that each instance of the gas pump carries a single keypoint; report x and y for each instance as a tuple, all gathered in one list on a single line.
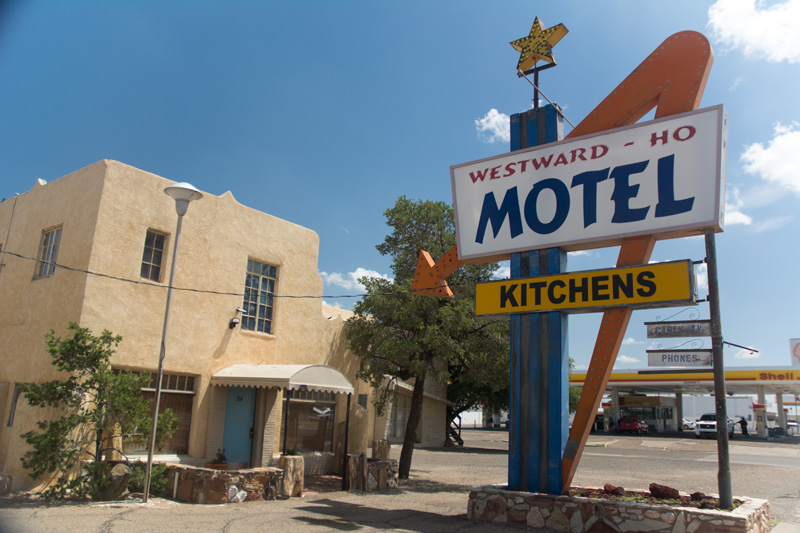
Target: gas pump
[(760, 414)]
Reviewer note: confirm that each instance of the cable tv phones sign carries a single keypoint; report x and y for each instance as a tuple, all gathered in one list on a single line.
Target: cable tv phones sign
[(663, 177)]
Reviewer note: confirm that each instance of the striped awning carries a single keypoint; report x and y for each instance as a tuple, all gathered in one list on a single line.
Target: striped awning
[(292, 377)]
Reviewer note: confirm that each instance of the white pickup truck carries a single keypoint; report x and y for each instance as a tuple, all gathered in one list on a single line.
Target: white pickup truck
[(706, 426)]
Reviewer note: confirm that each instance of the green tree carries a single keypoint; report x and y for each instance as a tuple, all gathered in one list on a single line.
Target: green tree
[(91, 401), (402, 336)]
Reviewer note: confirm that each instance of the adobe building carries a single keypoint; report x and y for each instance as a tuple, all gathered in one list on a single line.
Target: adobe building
[(94, 247)]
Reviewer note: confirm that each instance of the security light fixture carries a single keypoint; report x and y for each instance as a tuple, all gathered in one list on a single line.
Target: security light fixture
[(235, 320)]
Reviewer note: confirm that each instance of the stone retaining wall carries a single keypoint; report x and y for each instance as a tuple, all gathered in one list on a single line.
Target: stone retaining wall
[(205, 485), (588, 515)]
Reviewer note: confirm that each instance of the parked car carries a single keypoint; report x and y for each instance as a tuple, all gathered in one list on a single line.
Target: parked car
[(706, 426), (629, 424), (688, 424), (791, 426)]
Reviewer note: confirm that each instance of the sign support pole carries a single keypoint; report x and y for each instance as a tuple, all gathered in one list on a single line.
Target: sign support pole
[(539, 377), (724, 472)]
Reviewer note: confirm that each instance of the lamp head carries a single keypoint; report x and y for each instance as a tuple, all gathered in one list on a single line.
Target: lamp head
[(183, 193)]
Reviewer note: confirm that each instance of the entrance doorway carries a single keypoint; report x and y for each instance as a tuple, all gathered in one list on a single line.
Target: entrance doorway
[(237, 436)]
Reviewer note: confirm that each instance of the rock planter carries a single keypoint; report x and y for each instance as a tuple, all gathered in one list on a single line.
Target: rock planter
[(589, 515), (204, 485)]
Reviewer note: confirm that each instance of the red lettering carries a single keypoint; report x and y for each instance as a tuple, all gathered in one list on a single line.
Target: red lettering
[(656, 137), (578, 154), (475, 176), (523, 165), (509, 170), (495, 173), (560, 160), (762, 375), (690, 131), (542, 162), (595, 154)]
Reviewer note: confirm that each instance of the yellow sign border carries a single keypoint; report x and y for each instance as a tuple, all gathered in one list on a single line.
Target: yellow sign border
[(655, 285)]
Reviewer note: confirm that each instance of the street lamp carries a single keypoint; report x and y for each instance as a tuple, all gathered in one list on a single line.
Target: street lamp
[(182, 193)]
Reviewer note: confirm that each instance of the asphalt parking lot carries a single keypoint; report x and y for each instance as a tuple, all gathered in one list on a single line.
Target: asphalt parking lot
[(435, 498)]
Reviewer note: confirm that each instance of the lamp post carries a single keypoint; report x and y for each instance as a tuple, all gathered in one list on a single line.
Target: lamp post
[(182, 193)]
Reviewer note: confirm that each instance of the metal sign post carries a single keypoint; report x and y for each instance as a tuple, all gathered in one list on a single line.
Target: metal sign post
[(724, 473)]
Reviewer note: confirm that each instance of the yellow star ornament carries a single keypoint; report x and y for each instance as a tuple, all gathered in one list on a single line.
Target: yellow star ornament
[(538, 45)]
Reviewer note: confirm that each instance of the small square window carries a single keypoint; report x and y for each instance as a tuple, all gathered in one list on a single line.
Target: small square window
[(259, 292), (153, 255), (48, 252)]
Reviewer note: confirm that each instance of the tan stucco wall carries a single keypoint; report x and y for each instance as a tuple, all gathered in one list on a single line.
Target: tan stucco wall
[(105, 210)]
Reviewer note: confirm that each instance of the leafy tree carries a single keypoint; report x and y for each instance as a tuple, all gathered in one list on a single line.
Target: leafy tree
[(91, 400), (403, 336)]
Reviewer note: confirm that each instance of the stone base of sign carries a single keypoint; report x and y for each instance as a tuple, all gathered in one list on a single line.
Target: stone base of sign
[(368, 475), (588, 515), (205, 485)]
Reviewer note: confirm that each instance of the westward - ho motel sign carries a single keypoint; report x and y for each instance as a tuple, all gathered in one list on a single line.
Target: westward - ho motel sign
[(663, 177)]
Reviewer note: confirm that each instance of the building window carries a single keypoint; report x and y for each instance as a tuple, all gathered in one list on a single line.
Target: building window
[(153, 255), (310, 421), (48, 251), (259, 293), (177, 393)]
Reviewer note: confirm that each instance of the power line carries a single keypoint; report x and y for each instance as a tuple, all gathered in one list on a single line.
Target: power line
[(219, 293)]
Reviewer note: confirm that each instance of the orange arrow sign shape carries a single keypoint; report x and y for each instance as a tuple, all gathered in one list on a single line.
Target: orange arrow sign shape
[(429, 278)]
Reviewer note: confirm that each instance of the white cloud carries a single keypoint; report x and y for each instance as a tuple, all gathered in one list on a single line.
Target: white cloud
[(772, 224), (503, 271), (733, 206), (777, 162), (759, 31), (735, 84), (580, 253), (494, 127), (349, 281), (701, 271), (631, 340), (627, 359), (745, 354)]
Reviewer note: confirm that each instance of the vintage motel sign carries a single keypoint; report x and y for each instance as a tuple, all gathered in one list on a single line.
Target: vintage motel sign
[(662, 177), (679, 357), (656, 285), (678, 328)]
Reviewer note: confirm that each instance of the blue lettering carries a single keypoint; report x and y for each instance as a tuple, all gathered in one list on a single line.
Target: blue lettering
[(562, 206), (624, 191), (589, 180), (667, 204), (496, 215)]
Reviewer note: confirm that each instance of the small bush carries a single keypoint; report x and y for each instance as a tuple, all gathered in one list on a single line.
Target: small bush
[(158, 478)]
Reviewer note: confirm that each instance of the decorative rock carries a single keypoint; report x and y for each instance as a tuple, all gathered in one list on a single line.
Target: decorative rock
[(611, 489), (293, 471), (669, 518), (697, 496), (534, 518), (557, 521), (495, 506), (663, 492), (232, 491), (119, 476), (239, 497)]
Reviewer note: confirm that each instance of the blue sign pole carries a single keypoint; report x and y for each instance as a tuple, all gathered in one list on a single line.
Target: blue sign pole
[(539, 377)]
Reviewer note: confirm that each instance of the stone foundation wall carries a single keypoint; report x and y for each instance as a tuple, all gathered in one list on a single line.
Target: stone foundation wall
[(367, 475), (588, 515), (205, 485)]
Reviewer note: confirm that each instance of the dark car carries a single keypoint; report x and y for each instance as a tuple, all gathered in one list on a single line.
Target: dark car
[(629, 424)]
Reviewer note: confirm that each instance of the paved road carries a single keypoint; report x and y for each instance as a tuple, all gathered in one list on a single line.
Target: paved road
[(434, 500)]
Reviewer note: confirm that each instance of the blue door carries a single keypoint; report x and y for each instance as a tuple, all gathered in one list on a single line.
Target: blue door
[(237, 437)]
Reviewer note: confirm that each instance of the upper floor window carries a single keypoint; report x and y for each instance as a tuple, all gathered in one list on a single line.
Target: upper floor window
[(48, 251), (153, 255), (259, 292)]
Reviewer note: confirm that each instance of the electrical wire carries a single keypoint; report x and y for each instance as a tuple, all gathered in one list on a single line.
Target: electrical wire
[(557, 108), (221, 293)]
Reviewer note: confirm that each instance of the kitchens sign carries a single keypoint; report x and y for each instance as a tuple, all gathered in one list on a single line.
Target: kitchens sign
[(663, 177)]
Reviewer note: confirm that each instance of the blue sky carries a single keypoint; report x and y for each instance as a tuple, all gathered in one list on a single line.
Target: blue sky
[(323, 113)]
